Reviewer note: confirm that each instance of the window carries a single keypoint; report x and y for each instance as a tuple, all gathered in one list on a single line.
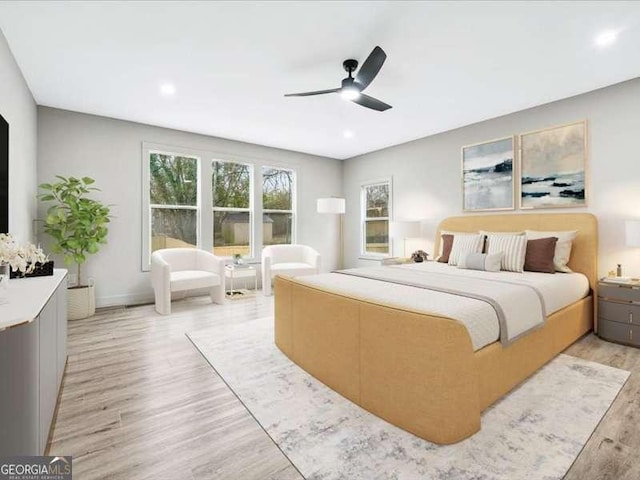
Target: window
[(247, 205), (173, 201), (277, 206), (376, 207), (232, 213)]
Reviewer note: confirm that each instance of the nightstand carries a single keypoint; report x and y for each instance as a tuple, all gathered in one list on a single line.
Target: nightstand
[(619, 313)]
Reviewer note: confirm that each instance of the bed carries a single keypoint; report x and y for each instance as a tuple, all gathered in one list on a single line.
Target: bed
[(417, 369)]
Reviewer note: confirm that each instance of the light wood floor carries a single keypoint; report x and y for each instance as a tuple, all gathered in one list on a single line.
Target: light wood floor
[(139, 402)]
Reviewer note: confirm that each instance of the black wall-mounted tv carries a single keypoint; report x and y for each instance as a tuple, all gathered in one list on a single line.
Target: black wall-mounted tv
[(4, 175)]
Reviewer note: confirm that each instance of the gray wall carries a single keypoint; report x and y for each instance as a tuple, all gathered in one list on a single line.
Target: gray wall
[(19, 109), (427, 172), (110, 151)]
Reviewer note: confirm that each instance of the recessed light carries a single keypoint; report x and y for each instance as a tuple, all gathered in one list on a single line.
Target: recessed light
[(347, 134), (606, 38), (167, 89)]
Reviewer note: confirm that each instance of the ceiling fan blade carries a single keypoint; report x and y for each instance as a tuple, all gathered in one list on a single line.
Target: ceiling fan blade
[(370, 102), (308, 94), (371, 67)]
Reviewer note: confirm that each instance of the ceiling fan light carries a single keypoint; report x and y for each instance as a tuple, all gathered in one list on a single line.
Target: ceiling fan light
[(349, 93)]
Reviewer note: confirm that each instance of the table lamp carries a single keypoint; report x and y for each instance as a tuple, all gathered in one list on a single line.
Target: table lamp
[(632, 230), (403, 230)]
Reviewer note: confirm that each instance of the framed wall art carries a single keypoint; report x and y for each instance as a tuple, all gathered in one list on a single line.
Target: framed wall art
[(553, 165), (487, 175)]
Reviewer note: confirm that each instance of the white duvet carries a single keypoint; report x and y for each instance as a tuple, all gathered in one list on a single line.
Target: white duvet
[(480, 318)]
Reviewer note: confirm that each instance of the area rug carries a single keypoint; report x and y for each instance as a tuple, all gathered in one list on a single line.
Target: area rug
[(535, 432)]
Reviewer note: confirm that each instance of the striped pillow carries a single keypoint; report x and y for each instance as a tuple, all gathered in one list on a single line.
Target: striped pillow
[(463, 244), (513, 247)]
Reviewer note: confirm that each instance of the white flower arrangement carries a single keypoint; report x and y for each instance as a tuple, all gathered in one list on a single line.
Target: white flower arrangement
[(21, 258)]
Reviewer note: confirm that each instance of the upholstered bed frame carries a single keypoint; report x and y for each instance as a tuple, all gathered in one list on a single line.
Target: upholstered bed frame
[(419, 371)]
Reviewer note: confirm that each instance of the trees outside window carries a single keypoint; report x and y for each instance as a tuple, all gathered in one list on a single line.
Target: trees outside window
[(277, 206), (231, 184), (177, 185), (375, 218), (173, 193)]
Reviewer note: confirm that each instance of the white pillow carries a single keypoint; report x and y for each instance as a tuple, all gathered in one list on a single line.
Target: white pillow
[(464, 243), (513, 248), (450, 232), (481, 261), (563, 246)]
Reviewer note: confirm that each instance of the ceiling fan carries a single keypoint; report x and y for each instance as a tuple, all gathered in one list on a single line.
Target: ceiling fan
[(352, 87)]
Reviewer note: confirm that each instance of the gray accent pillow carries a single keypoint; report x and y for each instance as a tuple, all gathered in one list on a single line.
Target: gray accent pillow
[(488, 262)]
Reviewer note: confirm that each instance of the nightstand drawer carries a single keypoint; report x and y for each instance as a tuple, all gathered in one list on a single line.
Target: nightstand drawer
[(619, 312), (619, 332), (616, 292)]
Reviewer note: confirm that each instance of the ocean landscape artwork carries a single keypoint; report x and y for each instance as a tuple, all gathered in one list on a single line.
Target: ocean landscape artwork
[(487, 170), (552, 167)]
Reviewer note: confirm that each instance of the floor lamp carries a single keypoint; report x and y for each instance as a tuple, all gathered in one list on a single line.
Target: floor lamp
[(334, 206)]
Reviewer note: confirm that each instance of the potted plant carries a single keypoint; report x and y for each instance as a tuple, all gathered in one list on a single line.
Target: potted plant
[(419, 256), (78, 226)]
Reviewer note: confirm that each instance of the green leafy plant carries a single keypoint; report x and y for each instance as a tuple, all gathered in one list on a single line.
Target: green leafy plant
[(77, 224)]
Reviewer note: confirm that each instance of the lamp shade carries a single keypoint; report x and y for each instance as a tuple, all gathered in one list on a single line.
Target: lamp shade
[(632, 230), (404, 229), (331, 205)]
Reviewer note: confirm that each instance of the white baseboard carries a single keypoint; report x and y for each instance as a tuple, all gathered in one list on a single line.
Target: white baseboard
[(142, 298), (127, 299)]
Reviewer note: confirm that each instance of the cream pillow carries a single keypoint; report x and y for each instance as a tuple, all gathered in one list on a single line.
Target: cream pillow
[(563, 246), (513, 249), (464, 243), (450, 232), (488, 234)]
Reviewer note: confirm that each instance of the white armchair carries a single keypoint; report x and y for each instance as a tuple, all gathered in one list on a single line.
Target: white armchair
[(290, 260), (180, 269)]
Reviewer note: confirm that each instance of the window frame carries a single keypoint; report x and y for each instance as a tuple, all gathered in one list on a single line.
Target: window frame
[(250, 209), (364, 219), (294, 202), (205, 158), (147, 206)]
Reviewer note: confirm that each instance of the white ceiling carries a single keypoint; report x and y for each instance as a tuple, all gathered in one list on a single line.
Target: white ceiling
[(449, 63)]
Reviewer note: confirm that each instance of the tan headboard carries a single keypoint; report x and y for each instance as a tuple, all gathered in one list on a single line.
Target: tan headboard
[(584, 252)]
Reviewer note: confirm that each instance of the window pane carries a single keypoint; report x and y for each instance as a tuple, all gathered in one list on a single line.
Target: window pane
[(173, 228), (377, 236), (276, 228), (174, 180), (378, 201), (277, 189), (231, 184), (231, 233)]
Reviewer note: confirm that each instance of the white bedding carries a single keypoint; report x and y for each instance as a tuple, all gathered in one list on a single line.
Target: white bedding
[(558, 291)]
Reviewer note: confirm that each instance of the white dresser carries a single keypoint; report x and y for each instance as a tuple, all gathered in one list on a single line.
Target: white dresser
[(33, 355)]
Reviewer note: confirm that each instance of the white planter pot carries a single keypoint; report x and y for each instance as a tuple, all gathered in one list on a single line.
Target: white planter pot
[(81, 302)]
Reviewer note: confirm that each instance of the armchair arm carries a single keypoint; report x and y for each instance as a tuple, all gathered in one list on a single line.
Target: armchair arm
[(160, 273), (266, 263), (266, 273), (209, 262), (312, 257)]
